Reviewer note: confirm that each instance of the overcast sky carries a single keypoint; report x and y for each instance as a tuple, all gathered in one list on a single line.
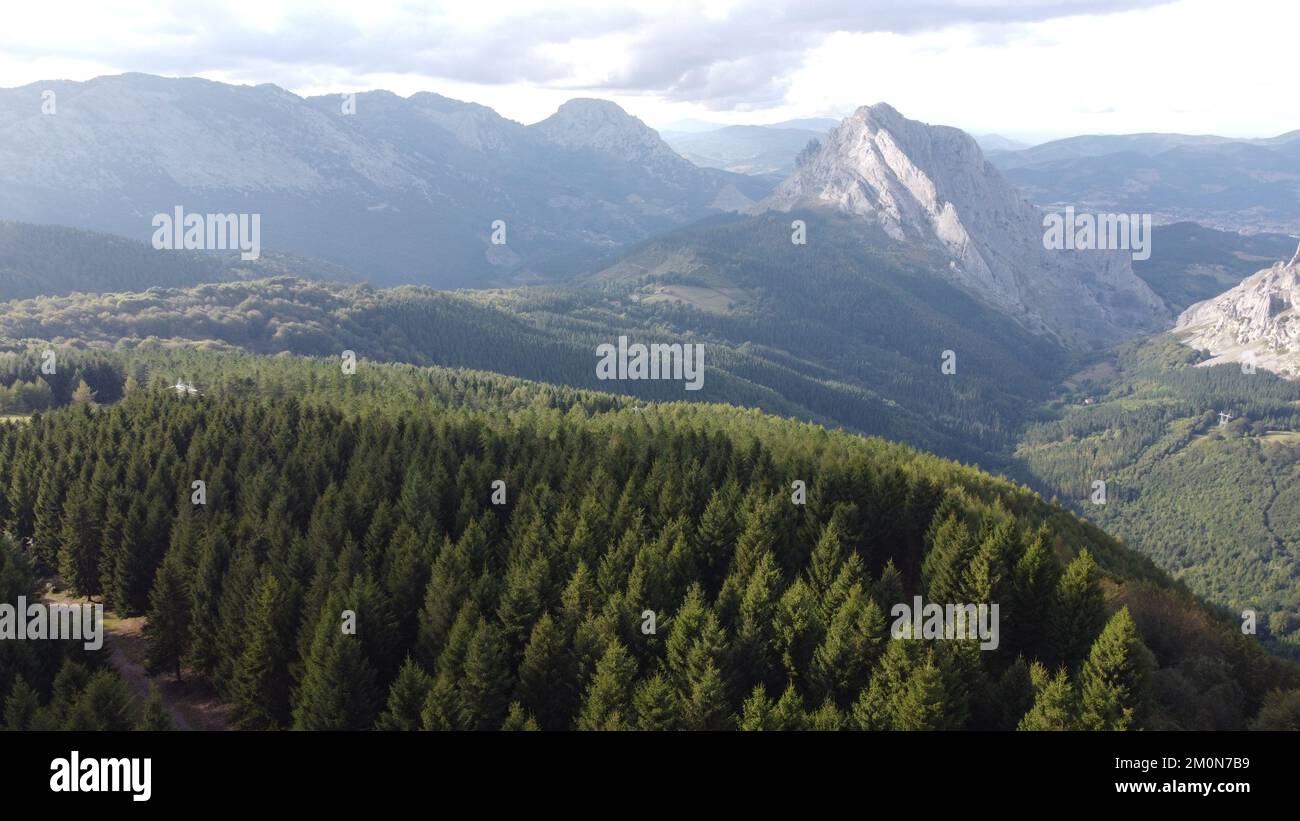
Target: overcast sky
[(1032, 69)]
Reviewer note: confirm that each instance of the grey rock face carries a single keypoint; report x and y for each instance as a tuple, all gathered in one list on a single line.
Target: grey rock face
[(931, 185), (1256, 322)]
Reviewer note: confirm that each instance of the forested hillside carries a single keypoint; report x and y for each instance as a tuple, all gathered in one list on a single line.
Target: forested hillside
[(835, 331), (646, 566), (47, 260), (1217, 505)]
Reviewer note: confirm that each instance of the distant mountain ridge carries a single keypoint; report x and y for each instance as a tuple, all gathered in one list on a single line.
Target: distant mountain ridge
[(404, 189), (1249, 185), (745, 149)]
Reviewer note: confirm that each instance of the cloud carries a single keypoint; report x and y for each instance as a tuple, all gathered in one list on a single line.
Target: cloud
[(680, 50)]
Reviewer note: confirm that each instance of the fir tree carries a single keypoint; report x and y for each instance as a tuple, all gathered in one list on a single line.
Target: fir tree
[(485, 685), (406, 698), (104, 705), (547, 680), (952, 549), (518, 720), (1079, 611), (1116, 679), (656, 705), (79, 545), (1056, 704), (339, 689), (608, 701), (167, 629), (258, 696), (154, 716), (21, 706)]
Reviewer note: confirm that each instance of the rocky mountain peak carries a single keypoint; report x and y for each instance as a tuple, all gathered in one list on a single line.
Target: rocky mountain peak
[(930, 185), (602, 126)]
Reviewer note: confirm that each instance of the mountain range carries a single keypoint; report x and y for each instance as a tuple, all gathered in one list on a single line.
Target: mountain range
[(400, 189), (834, 294)]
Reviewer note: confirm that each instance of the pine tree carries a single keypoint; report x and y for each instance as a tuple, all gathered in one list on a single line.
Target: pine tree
[(258, 696), (83, 395), (824, 565), (485, 686), (1079, 611), (406, 699), (167, 629), (69, 683), (827, 718), (1015, 694), (608, 701), (707, 708), (154, 716), (656, 705), (841, 664), (888, 590), (716, 535), (103, 706), (788, 714), (547, 679), (756, 651), (21, 706), (440, 708), (985, 579), (79, 545), (448, 585), (522, 601), (952, 549), (1034, 595), (798, 632), (756, 712), (205, 599), (908, 691), (47, 525), (339, 687), (518, 720), (1056, 704), (1116, 679)]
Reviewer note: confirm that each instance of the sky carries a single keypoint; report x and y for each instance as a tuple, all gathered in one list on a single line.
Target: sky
[(1026, 69)]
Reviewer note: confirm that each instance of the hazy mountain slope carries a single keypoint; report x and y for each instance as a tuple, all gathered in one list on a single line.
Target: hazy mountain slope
[(930, 185), (402, 189), (50, 260), (992, 144), (1249, 185), (1099, 145), (746, 149), (1190, 263)]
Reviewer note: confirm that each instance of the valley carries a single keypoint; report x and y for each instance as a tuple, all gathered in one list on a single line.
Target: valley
[(499, 456)]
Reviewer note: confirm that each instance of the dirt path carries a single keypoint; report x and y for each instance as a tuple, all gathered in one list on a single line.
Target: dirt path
[(192, 704)]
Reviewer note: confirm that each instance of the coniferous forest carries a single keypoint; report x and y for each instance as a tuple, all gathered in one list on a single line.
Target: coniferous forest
[(410, 548)]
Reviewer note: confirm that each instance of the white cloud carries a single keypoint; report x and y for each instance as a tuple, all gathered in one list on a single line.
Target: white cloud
[(1020, 67)]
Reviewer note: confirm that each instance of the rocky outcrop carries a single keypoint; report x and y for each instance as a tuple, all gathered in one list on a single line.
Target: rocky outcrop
[(931, 185), (1255, 322)]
